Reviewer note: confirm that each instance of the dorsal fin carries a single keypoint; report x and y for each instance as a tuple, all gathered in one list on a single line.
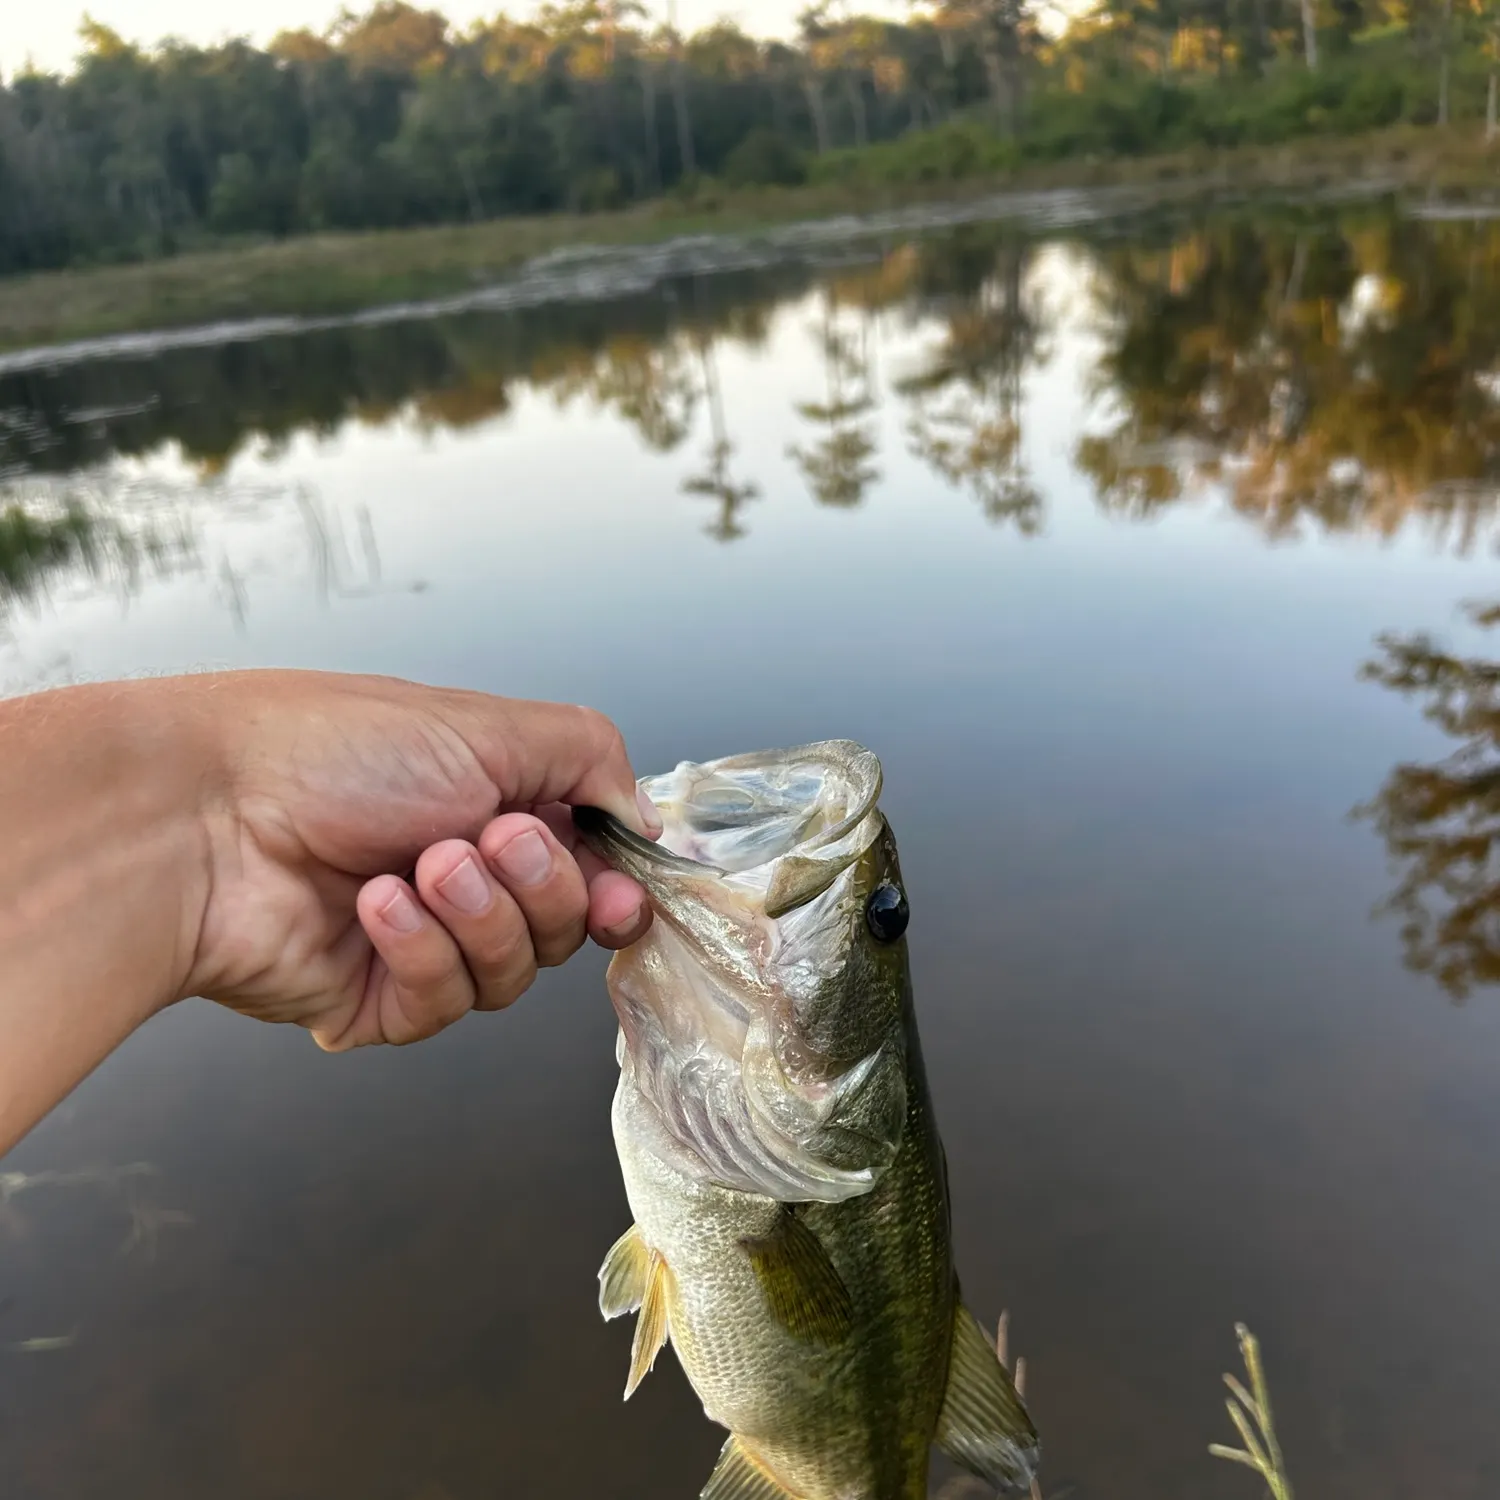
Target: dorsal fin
[(651, 1327), (622, 1277), (737, 1476), (984, 1426), (802, 1289)]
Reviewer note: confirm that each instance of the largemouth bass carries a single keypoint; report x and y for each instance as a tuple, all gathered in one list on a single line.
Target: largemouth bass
[(774, 1129)]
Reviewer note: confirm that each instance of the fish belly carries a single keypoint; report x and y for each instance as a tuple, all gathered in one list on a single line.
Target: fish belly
[(849, 1422)]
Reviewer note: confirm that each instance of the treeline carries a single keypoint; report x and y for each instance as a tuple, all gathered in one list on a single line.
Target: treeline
[(393, 118)]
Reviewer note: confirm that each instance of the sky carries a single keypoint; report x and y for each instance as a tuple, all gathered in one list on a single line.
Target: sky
[(47, 34)]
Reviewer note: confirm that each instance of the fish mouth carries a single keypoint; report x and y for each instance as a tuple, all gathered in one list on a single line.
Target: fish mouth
[(771, 829), (710, 1037), (626, 850)]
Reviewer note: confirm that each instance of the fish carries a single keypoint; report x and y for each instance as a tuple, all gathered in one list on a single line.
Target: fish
[(792, 1234)]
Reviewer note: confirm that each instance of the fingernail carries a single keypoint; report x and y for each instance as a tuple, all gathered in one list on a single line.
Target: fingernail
[(465, 888), (400, 913), (526, 859), (649, 815)]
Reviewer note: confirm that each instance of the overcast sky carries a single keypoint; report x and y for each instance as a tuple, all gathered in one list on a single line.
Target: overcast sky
[(47, 32)]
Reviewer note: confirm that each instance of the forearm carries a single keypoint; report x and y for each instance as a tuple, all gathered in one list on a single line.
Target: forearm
[(103, 882)]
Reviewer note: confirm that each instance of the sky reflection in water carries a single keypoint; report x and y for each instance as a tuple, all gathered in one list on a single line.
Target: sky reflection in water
[(1091, 544)]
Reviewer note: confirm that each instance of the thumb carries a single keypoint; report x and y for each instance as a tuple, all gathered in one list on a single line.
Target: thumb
[(537, 753)]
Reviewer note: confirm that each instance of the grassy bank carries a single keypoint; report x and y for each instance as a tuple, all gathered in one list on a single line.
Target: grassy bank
[(329, 274)]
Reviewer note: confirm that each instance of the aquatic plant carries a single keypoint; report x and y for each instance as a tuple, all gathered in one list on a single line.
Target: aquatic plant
[(1250, 1411), (32, 547)]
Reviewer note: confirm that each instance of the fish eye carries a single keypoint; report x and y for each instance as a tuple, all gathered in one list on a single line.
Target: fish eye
[(886, 913)]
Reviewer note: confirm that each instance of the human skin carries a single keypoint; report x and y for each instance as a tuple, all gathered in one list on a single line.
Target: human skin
[(365, 857)]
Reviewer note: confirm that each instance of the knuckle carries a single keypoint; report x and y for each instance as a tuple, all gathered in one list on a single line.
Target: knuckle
[(556, 913), (499, 943), (455, 1003), (504, 966), (603, 733), (557, 948), (501, 957), (429, 961), (504, 987), (438, 1003), (431, 1023)]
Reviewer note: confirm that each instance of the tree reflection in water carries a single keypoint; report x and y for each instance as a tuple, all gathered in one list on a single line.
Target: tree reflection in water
[(1340, 372), (836, 465), (966, 418), (647, 383), (714, 479), (1441, 821)]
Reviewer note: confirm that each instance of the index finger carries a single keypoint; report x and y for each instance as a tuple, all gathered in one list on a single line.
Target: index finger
[(619, 909)]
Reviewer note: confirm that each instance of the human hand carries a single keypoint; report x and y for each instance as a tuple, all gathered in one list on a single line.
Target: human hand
[(326, 785)]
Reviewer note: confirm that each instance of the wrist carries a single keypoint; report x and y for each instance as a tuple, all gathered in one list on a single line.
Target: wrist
[(109, 787), (173, 730), (103, 891)]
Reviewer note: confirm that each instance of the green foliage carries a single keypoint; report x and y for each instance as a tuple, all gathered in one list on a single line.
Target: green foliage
[(946, 154), (1133, 115), (35, 547), (391, 118), (29, 544), (598, 190), (1339, 99), (236, 202), (764, 159), (1123, 117)]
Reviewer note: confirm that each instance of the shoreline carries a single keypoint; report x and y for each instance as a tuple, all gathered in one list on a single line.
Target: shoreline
[(375, 275)]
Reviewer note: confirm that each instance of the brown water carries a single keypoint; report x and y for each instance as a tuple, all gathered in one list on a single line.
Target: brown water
[(1091, 543)]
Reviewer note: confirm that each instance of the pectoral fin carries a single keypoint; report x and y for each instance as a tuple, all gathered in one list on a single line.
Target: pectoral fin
[(984, 1427), (622, 1277), (737, 1476), (801, 1286), (651, 1327)]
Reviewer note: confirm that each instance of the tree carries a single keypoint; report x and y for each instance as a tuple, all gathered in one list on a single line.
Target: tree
[(390, 117), (1445, 60), (1492, 87), (815, 55), (1310, 33), (686, 156), (1005, 33), (392, 37)]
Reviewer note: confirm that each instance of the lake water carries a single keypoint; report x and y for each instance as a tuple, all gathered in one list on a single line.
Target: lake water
[(1091, 540)]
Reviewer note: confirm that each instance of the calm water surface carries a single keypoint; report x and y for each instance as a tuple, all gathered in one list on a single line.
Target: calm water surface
[(1096, 545)]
